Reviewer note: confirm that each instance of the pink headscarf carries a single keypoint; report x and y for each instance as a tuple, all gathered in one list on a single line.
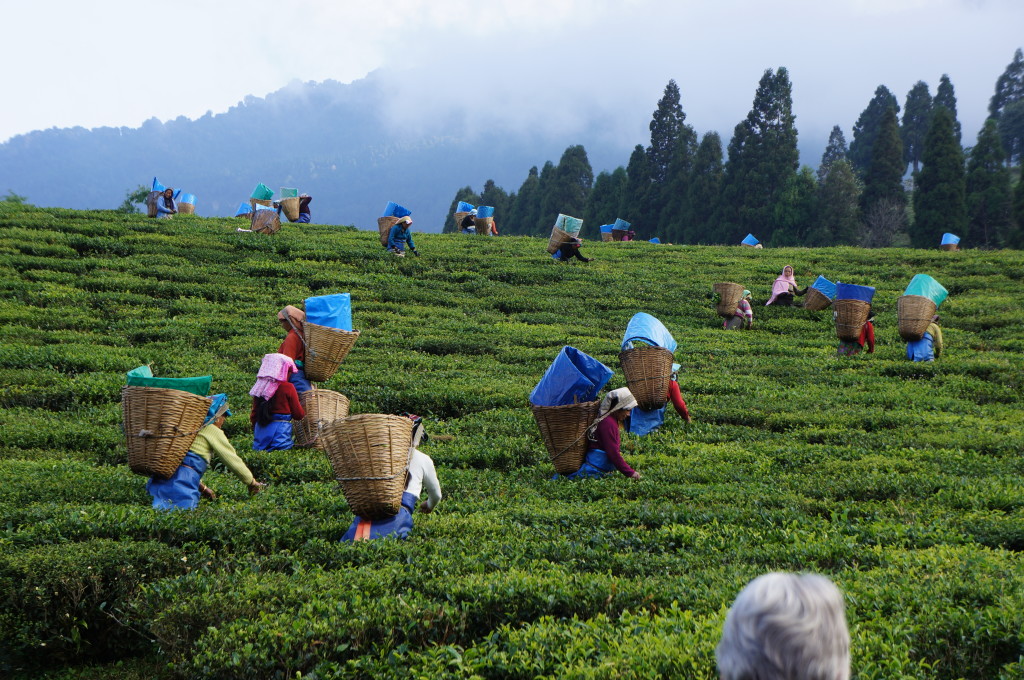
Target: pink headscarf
[(782, 285), (274, 370)]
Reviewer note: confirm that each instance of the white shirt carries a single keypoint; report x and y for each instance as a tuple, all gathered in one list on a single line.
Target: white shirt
[(422, 473)]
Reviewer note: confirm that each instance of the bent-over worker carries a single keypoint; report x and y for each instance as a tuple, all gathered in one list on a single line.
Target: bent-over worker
[(293, 320), (743, 317), (929, 347), (275, 403), (604, 450), (399, 236)]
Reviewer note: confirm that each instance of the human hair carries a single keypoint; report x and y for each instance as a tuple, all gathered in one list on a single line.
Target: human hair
[(785, 627)]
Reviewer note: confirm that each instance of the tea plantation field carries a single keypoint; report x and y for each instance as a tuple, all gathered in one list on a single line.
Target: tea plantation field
[(900, 481)]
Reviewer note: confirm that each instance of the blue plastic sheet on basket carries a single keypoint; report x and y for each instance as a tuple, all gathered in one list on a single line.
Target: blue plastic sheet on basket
[(157, 186), (263, 207), (647, 329), (176, 194), (463, 207), (485, 211), (655, 240), (607, 228), (394, 210), (950, 239), (849, 291), (926, 286), (188, 198), (333, 311), (621, 224), (572, 378), (570, 225), (749, 240), (243, 208), (825, 287)]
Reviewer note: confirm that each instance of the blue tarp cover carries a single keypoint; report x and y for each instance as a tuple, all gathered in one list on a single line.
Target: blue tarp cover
[(825, 287), (749, 240), (188, 198), (573, 377), (333, 311), (849, 291), (394, 210), (621, 223), (157, 186), (607, 228), (948, 239), (648, 329), (926, 286), (485, 211), (243, 209), (463, 207), (655, 240)]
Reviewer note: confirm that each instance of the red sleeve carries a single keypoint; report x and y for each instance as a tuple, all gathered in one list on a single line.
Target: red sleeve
[(677, 399), (294, 405), (293, 347), (252, 413), (867, 335), (607, 436)]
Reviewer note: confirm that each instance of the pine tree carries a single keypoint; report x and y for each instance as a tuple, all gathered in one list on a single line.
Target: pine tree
[(1016, 237), (762, 158), (546, 210), (866, 129), (1005, 107), (939, 201), (793, 214), (916, 115), (989, 196), (1011, 130), (945, 96), (605, 198), (570, 184), (666, 126), (674, 191), (635, 206), (837, 221), (525, 207), (464, 194), (836, 150), (703, 192), (883, 201)]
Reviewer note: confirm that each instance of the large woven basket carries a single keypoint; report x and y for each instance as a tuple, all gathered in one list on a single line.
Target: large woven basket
[(564, 431), (648, 373), (326, 348), (160, 426), (186, 209), (459, 216), (483, 225), (913, 314), (729, 295), (606, 236), (370, 456), (558, 237), (266, 222), (384, 225), (253, 202), (619, 234), (850, 316), (290, 208), (815, 300), (949, 246), (322, 408)]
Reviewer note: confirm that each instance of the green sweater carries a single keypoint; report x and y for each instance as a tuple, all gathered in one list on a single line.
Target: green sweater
[(211, 439)]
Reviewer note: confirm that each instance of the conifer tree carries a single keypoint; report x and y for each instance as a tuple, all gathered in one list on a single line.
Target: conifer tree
[(939, 201), (1016, 237), (569, 186), (794, 212), (545, 216), (837, 221), (635, 206), (1006, 107), (1011, 130), (666, 126), (605, 198), (836, 150), (883, 195), (703, 192), (525, 207), (674, 191), (916, 116), (945, 96), (464, 194), (867, 127), (989, 196)]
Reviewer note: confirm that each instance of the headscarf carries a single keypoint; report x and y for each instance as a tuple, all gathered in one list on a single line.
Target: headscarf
[(781, 285), (274, 370), (406, 221), (616, 400), (746, 294), (218, 408), (295, 317)]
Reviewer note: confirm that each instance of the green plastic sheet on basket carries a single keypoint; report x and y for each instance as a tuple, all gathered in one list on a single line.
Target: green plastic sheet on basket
[(143, 377), (926, 286), (262, 192), (289, 193)]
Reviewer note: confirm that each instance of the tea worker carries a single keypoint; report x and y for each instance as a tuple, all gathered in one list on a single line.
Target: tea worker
[(421, 476), (304, 200), (293, 320), (743, 317), (399, 236), (165, 206), (784, 288), (570, 249), (929, 347), (785, 627), (849, 348), (468, 223), (184, 487), (604, 453), (275, 403)]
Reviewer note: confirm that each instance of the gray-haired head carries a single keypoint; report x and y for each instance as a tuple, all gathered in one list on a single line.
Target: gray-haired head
[(786, 627)]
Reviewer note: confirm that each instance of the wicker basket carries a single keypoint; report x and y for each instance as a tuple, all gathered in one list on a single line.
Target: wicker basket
[(370, 456), (160, 426), (850, 317), (729, 295), (564, 430), (558, 237), (483, 225), (619, 234), (290, 208), (384, 225), (266, 222), (648, 372), (606, 236), (253, 202), (950, 246), (913, 315), (815, 300), (326, 348), (186, 209), (322, 408)]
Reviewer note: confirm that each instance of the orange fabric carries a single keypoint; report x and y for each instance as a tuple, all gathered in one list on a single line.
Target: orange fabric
[(363, 530)]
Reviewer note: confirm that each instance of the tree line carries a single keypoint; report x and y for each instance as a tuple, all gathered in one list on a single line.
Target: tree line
[(685, 188)]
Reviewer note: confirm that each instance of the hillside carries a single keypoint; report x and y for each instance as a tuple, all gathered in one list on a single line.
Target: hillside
[(900, 481)]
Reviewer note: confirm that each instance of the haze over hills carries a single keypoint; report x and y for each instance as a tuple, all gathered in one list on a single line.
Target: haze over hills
[(341, 143)]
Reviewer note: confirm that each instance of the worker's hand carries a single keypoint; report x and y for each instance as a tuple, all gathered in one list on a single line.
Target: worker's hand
[(635, 475), (207, 492), (426, 508), (416, 253), (688, 420), (255, 486)]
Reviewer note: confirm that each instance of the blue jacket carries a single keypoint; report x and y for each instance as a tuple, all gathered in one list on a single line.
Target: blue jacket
[(162, 210), (399, 236)]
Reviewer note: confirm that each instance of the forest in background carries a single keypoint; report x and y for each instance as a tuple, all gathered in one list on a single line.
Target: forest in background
[(685, 188)]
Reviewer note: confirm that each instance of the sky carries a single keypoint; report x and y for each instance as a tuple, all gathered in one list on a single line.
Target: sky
[(522, 64)]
